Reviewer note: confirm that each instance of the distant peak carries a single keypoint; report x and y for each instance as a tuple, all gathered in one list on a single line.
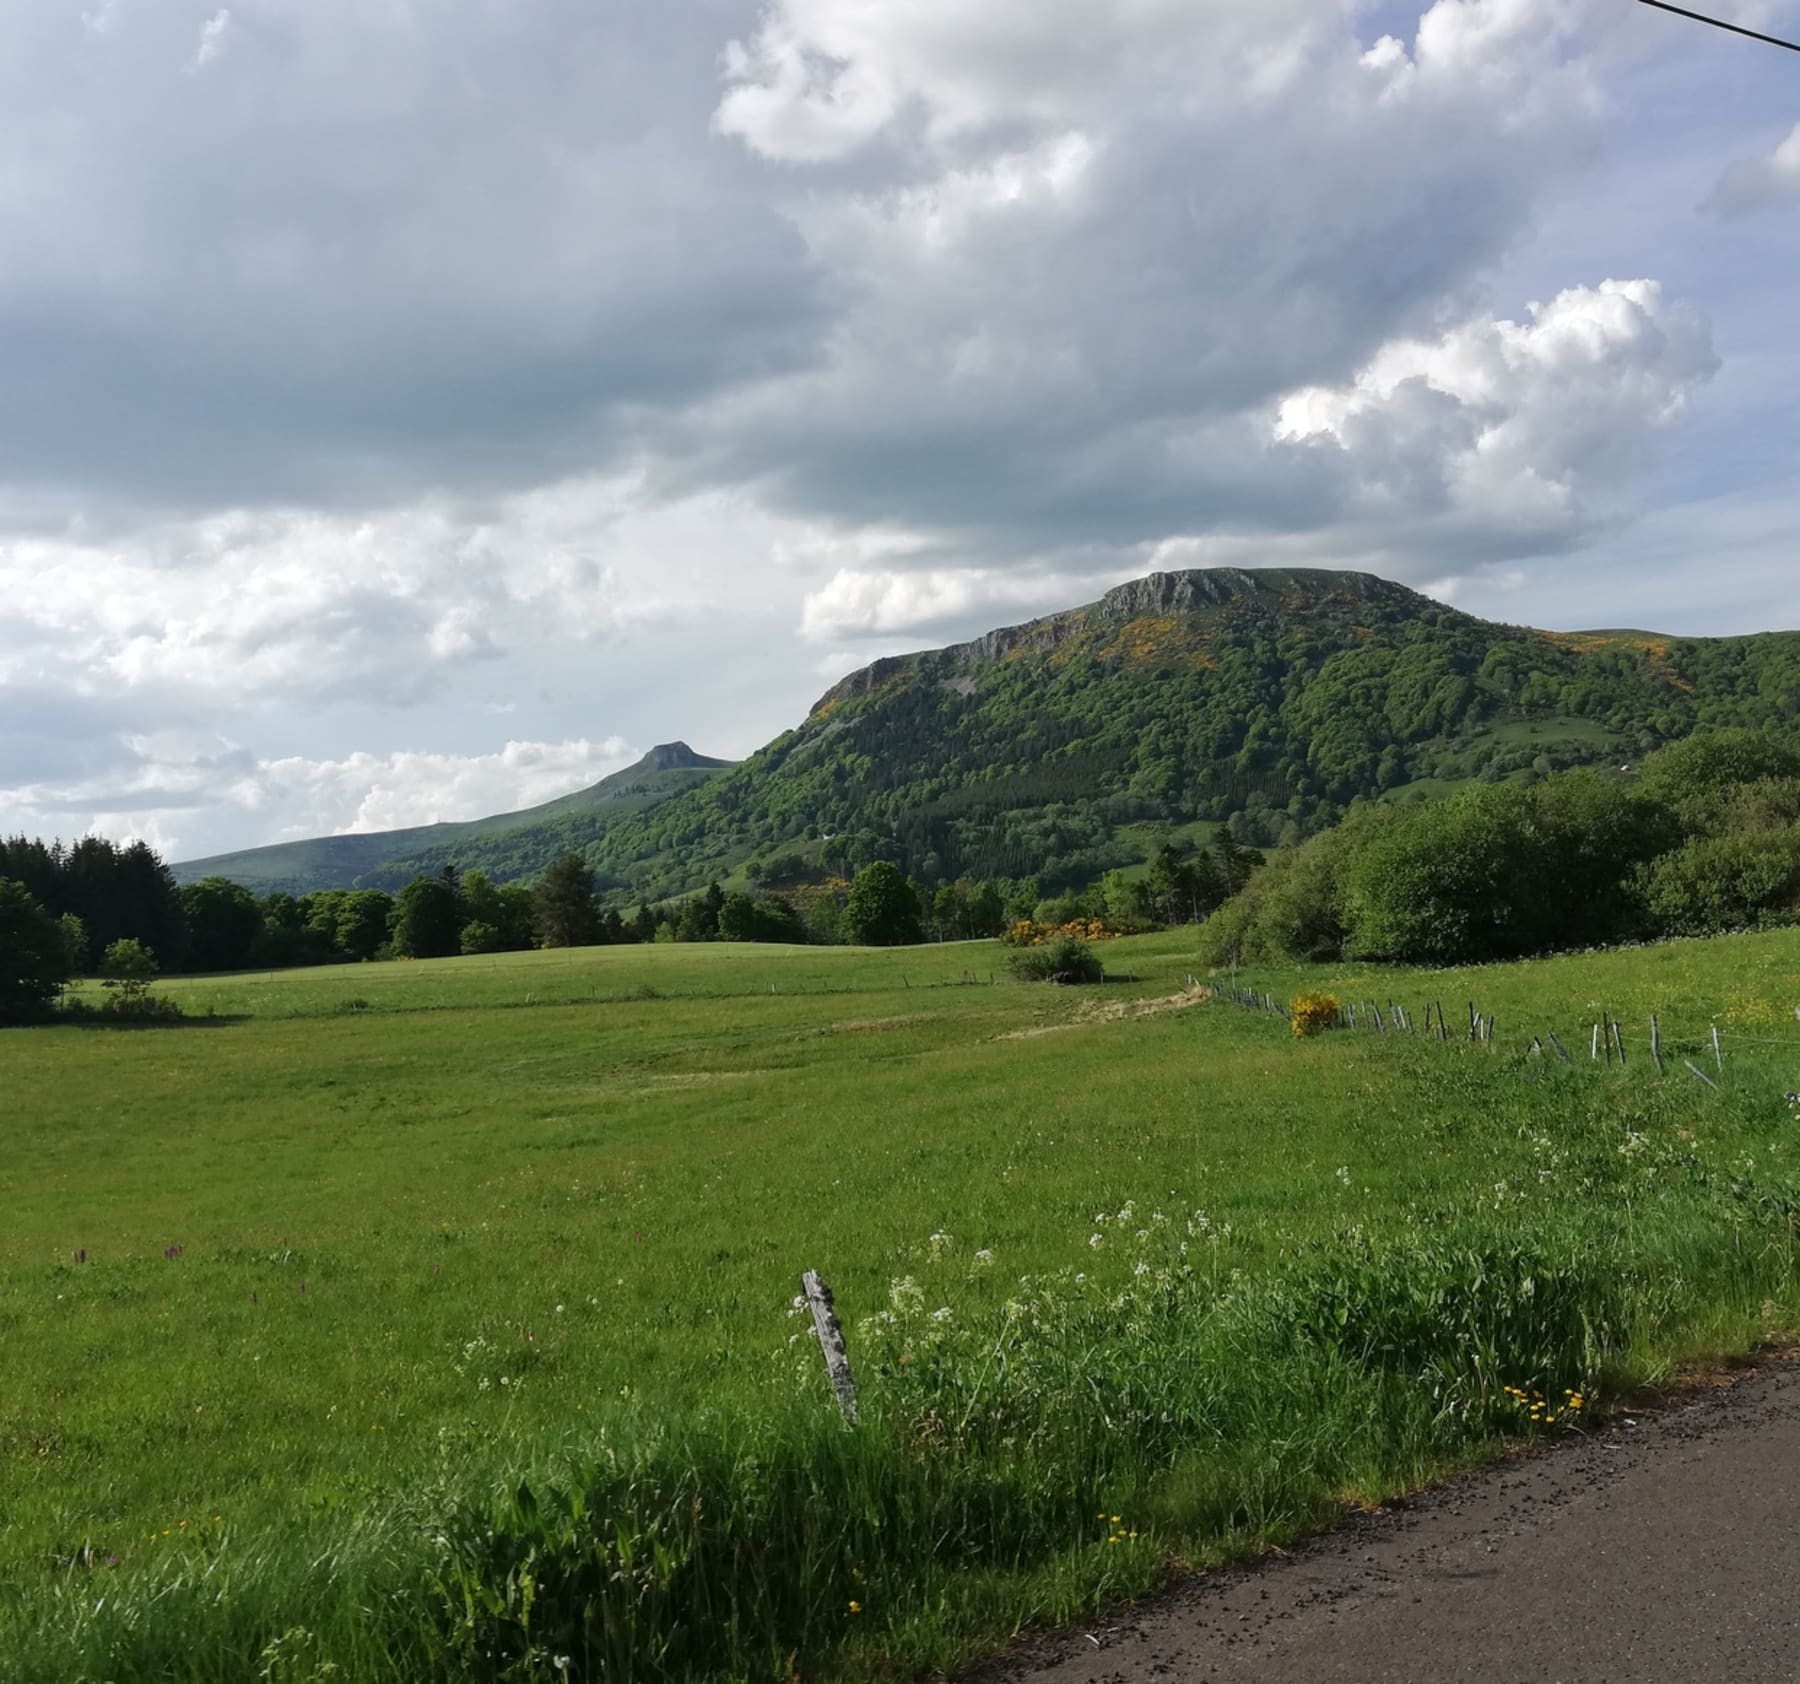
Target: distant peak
[(676, 757)]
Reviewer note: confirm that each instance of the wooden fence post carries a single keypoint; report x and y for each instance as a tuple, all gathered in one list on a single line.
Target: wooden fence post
[(1656, 1043), (1718, 1053), (1561, 1050), (831, 1341), (1702, 1075)]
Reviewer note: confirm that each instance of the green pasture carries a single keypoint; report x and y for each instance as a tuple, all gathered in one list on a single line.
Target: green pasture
[(377, 1316)]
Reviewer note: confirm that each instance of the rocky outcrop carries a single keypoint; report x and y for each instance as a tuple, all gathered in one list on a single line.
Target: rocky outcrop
[(1196, 591)]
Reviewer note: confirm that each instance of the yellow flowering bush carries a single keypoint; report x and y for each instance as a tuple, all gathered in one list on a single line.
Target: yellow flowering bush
[(1314, 1012), (1025, 932)]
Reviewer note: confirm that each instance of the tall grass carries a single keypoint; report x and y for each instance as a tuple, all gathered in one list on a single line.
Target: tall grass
[(1501, 1247)]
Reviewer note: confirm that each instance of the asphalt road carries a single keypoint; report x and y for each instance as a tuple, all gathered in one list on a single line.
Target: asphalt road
[(1665, 1547)]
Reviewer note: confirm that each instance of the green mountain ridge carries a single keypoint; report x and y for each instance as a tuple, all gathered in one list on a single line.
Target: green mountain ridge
[(389, 859), (1269, 700)]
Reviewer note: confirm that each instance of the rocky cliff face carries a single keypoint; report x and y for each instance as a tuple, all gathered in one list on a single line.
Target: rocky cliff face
[(1197, 591)]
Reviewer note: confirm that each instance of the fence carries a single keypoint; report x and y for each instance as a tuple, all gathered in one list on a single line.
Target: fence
[(1605, 1037)]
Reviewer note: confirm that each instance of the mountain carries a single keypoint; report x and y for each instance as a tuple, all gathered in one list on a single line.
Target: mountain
[(1269, 699), (507, 845), (1266, 699)]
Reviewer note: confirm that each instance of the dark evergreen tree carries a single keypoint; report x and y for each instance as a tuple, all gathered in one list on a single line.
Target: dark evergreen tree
[(224, 924), (563, 910), (33, 957)]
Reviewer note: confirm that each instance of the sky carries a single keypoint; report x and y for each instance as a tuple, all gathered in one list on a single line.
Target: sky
[(414, 409)]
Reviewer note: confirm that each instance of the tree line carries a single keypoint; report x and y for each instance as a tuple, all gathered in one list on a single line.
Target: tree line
[(99, 908), (1705, 841)]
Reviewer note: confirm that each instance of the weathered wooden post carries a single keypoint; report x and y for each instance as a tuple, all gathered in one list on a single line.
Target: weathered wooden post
[(1656, 1043), (1619, 1042), (1718, 1052), (831, 1341), (1561, 1050), (1702, 1075), (1596, 1052)]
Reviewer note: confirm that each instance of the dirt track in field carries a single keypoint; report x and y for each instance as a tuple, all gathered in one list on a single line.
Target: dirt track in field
[(1663, 1547)]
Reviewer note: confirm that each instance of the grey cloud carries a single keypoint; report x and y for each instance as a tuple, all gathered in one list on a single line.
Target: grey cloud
[(1092, 361), (367, 249)]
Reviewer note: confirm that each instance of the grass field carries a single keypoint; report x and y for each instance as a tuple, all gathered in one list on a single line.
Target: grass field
[(433, 1320)]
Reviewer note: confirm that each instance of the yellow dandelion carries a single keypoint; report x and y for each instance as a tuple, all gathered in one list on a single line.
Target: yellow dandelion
[(855, 1606)]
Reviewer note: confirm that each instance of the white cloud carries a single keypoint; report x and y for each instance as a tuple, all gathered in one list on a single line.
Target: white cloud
[(821, 78), (1751, 184), (264, 607), (213, 38), (171, 784), (1529, 429), (368, 792), (872, 602)]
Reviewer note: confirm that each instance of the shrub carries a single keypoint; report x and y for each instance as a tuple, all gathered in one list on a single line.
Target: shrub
[(1729, 882), (129, 968), (1314, 1012), (481, 938), (1067, 960), (1028, 932)]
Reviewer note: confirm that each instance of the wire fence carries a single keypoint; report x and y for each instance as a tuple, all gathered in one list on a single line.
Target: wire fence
[(1604, 1039)]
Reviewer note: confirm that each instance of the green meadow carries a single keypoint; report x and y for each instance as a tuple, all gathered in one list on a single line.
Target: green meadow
[(434, 1320)]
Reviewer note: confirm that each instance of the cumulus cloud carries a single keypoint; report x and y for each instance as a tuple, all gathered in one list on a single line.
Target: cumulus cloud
[(1085, 249), (1751, 184), (876, 602), (264, 607), (821, 78), (1522, 433)]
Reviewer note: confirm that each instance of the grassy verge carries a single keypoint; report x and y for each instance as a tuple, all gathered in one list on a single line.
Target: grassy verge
[(540, 1408)]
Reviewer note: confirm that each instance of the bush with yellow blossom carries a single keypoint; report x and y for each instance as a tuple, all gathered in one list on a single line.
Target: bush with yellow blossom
[(1314, 1012)]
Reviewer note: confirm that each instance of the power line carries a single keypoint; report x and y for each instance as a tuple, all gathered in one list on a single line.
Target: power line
[(1720, 23)]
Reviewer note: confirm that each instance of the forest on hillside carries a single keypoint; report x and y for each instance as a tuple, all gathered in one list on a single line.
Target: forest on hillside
[(1275, 725)]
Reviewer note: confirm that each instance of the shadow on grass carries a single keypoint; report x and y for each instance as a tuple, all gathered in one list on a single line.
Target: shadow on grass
[(141, 1024)]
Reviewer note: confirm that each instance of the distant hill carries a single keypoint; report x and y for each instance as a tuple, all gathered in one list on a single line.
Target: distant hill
[(1270, 699), (507, 845), (1265, 699)]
